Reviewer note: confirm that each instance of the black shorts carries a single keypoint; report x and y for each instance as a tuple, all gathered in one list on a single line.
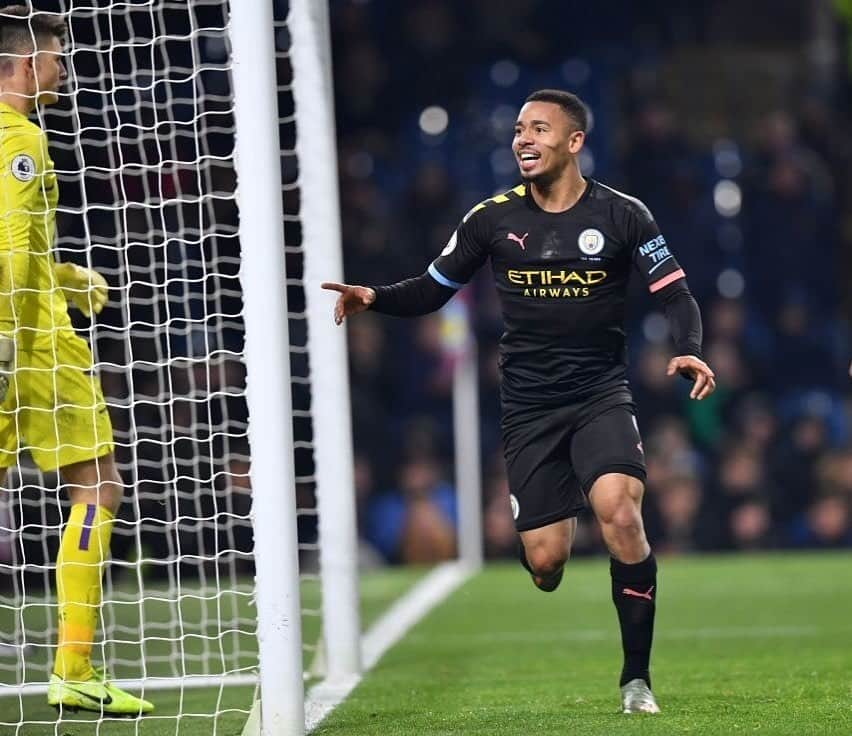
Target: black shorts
[(555, 454)]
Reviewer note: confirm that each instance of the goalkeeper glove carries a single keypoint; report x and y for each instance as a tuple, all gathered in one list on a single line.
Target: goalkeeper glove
[(7, 364), (85, 288)]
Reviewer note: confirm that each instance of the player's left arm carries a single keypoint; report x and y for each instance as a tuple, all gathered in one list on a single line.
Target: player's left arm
[(685, 324), (667, 281)]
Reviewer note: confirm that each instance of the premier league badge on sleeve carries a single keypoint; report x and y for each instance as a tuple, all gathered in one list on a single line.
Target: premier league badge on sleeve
[(23, 167)]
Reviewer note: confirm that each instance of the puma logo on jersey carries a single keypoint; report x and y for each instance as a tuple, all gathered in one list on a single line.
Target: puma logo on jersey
[(519, 239)]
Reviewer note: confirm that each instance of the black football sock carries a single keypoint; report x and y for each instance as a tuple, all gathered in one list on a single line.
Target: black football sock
[(634, 592)]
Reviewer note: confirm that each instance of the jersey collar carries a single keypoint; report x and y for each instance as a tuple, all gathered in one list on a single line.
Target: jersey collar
[(587, 192), (5, 108)]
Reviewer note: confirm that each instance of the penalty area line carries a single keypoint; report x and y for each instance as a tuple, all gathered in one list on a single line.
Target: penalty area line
[(385, 632)]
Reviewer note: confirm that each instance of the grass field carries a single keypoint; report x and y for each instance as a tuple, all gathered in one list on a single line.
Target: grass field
[(199, 706), (744, 645)]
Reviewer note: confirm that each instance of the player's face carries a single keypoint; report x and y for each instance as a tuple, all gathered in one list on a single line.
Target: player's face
[(545, 141), (48, 71)]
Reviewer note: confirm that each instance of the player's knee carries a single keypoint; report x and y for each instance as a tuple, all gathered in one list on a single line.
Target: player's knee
[(546, 561), (627, 520), (110, 487), (622, 519), (111, 496)]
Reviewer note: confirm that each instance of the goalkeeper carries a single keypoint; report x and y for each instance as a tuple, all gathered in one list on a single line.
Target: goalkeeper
[(52, 401)]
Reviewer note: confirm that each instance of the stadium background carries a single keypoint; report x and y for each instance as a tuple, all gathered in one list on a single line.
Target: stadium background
[(734, 129)]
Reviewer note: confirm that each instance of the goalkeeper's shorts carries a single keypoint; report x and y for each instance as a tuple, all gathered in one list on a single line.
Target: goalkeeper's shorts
[(55, 408)]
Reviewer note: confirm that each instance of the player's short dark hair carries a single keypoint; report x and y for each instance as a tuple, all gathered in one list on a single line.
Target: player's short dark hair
[(571, 105), (19, 26)]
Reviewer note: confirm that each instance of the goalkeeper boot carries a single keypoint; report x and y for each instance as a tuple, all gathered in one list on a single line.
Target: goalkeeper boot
[(96, 694), (547, 584), (636, 697)]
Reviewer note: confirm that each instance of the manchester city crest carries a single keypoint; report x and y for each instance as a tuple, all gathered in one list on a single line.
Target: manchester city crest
[(591, 241)]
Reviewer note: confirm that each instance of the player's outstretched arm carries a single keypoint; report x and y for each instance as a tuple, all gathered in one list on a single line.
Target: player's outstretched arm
[(351, 299), (410, 298), (704, 380)]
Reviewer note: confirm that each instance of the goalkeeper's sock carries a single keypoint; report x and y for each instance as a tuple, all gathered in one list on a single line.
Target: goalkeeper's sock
[(84, 547), (634, 592)]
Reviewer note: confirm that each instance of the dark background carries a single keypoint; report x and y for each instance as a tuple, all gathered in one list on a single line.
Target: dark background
[(731, 121)]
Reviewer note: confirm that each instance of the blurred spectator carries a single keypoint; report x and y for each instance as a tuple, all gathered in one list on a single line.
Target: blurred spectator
[(826, 524), (756, 423), (678, 503), (653, 390), (414, 523), (750, 525), (793, 467), (709, 417)]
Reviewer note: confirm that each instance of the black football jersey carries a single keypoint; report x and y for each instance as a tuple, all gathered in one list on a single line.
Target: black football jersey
[(562, 281)]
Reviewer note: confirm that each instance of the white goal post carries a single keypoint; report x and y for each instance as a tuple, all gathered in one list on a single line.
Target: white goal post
[(313, 95), (267, 353)]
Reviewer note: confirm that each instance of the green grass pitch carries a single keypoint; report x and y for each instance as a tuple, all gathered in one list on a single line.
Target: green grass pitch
[(198, 708), (744, 645)]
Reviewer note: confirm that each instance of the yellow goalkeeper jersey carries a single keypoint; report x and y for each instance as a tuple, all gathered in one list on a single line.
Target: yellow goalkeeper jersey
[(32, 307)]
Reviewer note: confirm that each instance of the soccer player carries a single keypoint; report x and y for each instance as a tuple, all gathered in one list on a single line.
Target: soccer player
[(52, 402), (562, 248)]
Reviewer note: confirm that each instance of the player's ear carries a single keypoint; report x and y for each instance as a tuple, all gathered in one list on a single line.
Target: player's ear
[(28, 66), (576, 140)]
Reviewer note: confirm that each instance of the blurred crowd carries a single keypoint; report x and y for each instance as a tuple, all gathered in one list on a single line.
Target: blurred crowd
[(735, 132), (740, 143)]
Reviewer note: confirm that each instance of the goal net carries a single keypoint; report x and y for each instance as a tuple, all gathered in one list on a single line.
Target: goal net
[(143, 144)]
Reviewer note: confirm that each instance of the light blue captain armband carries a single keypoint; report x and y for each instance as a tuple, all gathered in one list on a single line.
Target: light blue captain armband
[(441, 279)]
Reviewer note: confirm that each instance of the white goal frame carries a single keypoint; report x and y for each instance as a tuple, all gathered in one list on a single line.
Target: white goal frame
[(267, 356), (268, 369)]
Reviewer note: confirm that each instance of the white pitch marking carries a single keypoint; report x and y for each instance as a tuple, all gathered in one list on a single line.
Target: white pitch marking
[(386, 632)]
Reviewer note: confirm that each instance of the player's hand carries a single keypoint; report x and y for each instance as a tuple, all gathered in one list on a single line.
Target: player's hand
[(696, 370), (7, 364), (83, 287), (352, 299)]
